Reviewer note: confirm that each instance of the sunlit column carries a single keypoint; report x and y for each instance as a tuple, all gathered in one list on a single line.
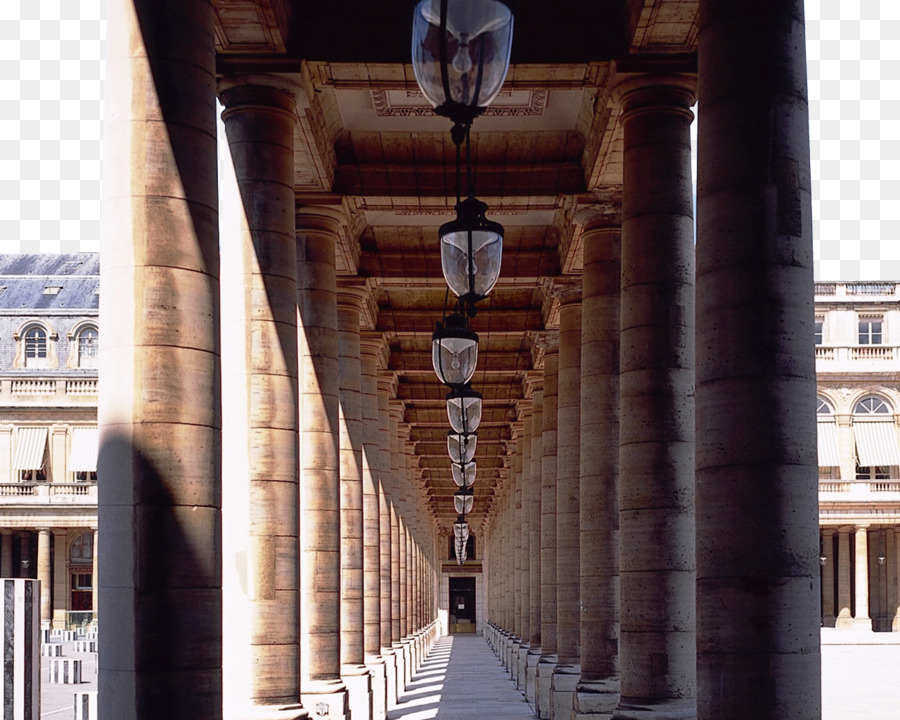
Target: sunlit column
[(844, 597), (159, 414), (861, 617), (322, 690), (45, 575), (262, 657)]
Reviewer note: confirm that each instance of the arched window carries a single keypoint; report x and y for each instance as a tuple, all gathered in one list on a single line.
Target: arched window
[(82, 550), (36, 347), (877, 449), (822, 407), (87, 341)]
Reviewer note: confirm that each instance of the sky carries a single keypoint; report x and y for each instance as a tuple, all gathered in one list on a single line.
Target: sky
[(51, 104)]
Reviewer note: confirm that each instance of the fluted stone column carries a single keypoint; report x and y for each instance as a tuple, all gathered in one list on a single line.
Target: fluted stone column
[(656, 431), (322, 690), (534, 539), (524, 493), (353, 670), (844, 616), (262, 663), (568, 526), (371, 348), (828, 575), (61, 578), (45, 575), (861, 619), (548, 531), (597, 693), (757, 611), (159, 414)]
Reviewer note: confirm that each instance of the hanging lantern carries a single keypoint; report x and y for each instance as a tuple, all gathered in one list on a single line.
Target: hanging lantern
[(461, 447), (463, 501), (471, 251), (454, 351), (464, 409), (463, 475), (461, 528), (460, 54)]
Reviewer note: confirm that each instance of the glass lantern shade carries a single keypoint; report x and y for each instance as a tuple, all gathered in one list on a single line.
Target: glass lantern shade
[(471, 251), (461, 554), (462, 502), (461, 530), (461, 447), (454, 352), (464, 409), (460, 54), (463, 475)]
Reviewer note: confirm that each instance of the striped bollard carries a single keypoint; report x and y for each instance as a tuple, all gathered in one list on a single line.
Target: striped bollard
[(68, 635), (51, 650), (65, 671), (83, 646), (86, 705), (20, 649)]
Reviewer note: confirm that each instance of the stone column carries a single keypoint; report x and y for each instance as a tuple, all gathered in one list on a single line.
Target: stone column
[(548, 530), (396, 489), (895, 623), (371, 349), (159, 502), (385, 392), (262, 662), (844, 617), (828, 573), (568, 480), (597, 694), (6, 554), (525, 533), (321, 688), (45, 575), (94, 577), (757, 484), (656, 431), (861, 619), (534, 540), (353, 670), (61, 577)]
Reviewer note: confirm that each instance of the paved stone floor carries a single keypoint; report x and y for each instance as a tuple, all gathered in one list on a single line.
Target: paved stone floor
[(462, 679)]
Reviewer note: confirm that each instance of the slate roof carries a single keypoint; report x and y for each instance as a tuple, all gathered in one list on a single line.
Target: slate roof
[(25, 278)]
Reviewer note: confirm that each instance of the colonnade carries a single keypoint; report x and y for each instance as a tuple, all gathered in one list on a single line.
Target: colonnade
[(331, 599), (690, 513)]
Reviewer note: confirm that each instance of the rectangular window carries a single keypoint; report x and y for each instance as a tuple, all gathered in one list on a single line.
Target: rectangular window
[(874, 472), (820, 324), (870, 331)]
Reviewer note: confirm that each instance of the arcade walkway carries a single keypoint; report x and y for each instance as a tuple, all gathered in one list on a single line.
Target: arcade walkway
[(461, 679)]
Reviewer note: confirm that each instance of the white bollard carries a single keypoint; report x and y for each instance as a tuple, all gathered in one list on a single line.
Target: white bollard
[(20, 608), (83, 646), (65, 671), (86, 705), (51, 650)]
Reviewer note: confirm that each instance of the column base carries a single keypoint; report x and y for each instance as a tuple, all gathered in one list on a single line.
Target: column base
[(358, 682), (596, 699), (661, 710), (843, 622), (326, 699), (378, 671), (390, 671), (531, 663), (562, 691), (267, 712), (543, 682), (895, 625), (862, 623), (521, 662)]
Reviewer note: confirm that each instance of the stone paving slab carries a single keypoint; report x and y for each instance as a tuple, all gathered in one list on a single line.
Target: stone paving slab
[(461, 679)]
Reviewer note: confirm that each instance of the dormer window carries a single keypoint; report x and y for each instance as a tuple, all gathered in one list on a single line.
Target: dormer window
[(36, 348), (52, 290)]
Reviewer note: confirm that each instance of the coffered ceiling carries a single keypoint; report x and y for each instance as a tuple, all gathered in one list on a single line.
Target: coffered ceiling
[(547, 148)]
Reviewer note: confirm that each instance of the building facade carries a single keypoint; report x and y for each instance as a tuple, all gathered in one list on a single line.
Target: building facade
[(48, 430)]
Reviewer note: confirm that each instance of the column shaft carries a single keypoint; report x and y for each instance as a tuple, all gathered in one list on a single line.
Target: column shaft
[(599, 502), (844, 616), (320, 491), (371, 470), (259, 125), (159, 414), (861, 565), (656, 431), (828, 576), (757, 611), (548, 504), (45, 575), (6, 554), (534, 509)]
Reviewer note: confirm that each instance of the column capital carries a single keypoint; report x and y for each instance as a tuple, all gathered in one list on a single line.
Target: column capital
[(260, 91), (387, 383), (533, 382), (373, 344), (599, 210), (356, 293), (567, 290), (641, 92)]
